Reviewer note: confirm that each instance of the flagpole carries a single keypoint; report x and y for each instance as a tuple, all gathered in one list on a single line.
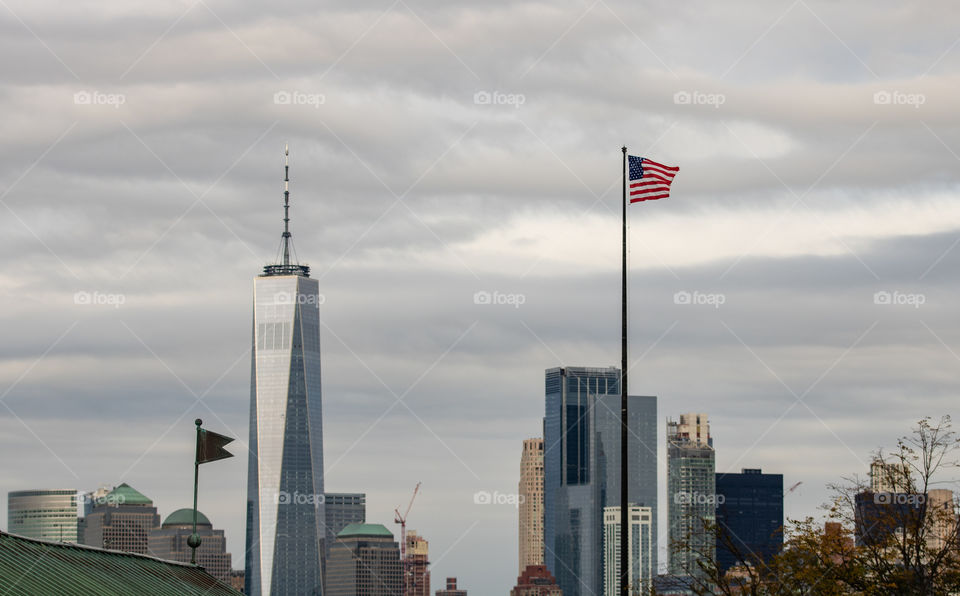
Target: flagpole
[(194, 541), (624, 514)]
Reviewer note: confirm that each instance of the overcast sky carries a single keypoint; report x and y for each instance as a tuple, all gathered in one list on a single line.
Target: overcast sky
[(440, 149)]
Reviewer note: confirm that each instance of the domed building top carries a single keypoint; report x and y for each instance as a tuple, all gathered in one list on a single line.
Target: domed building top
[(127, 495), (184, 517)]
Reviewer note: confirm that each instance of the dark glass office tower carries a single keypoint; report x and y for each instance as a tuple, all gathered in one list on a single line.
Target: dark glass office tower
[(582, 469), (750, 512), (285, 503)]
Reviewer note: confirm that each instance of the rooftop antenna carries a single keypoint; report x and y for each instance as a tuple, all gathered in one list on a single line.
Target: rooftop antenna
[(285, 267), (286, 204)]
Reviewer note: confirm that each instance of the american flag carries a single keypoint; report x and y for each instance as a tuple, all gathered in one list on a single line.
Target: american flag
[(649, 180)]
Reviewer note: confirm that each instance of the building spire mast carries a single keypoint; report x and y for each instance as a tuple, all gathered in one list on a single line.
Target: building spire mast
[(285, 266), (286, 205)]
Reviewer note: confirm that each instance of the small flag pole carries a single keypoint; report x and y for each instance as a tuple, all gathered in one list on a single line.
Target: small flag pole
[(624, 517), (194, 541)]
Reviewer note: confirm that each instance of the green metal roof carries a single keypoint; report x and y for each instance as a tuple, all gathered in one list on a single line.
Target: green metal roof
[(127, 495), (365, 530), (31, 567), (185, 517)]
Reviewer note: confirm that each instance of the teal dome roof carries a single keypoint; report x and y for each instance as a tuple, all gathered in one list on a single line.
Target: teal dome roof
[(184, 517), (127, 495)]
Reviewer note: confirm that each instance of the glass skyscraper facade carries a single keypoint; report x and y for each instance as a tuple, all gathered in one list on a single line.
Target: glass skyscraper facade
[(285, 499), (582, 470), (750, 514), (45, 514), (640, 554), (691, 491)]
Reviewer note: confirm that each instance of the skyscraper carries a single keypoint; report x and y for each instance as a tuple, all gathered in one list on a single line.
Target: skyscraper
[(530, 509), (122, 520), (45, 514), (749, 517), (285, 504), (365, 561), (640, 553), (582, 469), (416, 578), (169, 542), (893, 477), (691, 490), (341, 510)]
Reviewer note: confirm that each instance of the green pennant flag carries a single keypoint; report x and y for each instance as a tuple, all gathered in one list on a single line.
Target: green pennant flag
[(210, 446)]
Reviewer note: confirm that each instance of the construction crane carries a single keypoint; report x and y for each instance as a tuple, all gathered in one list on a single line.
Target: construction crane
[(402, 520), (794, 487)]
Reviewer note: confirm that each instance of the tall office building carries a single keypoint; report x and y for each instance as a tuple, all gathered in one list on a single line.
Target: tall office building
[(285, 504), (749, 517), (365, 561), (691, 491), (169, 542), (893, 477), (582, 469), (416, 573), (341, 510), (530, 509), (122, 520), (45, 514), (640, 550)]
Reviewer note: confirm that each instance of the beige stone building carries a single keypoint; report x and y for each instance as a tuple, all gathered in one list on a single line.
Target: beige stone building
[(531, 504)]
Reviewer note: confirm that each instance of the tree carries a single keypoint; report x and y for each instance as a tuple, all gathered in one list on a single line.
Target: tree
[(893, 533)]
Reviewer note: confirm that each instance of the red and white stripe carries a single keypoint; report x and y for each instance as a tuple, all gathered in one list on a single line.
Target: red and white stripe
[(655, 182)]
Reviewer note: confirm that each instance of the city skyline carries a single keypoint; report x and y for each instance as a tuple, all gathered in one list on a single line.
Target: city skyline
[(456, 206)]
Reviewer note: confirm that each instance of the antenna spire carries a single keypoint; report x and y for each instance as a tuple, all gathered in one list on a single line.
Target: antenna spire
[(286, 205), (285, 267)]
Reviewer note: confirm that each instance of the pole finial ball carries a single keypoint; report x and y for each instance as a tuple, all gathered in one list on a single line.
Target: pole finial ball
[(198, 422)]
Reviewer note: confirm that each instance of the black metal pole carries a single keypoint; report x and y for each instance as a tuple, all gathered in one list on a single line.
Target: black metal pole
[(194, 541), (624, 514)]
